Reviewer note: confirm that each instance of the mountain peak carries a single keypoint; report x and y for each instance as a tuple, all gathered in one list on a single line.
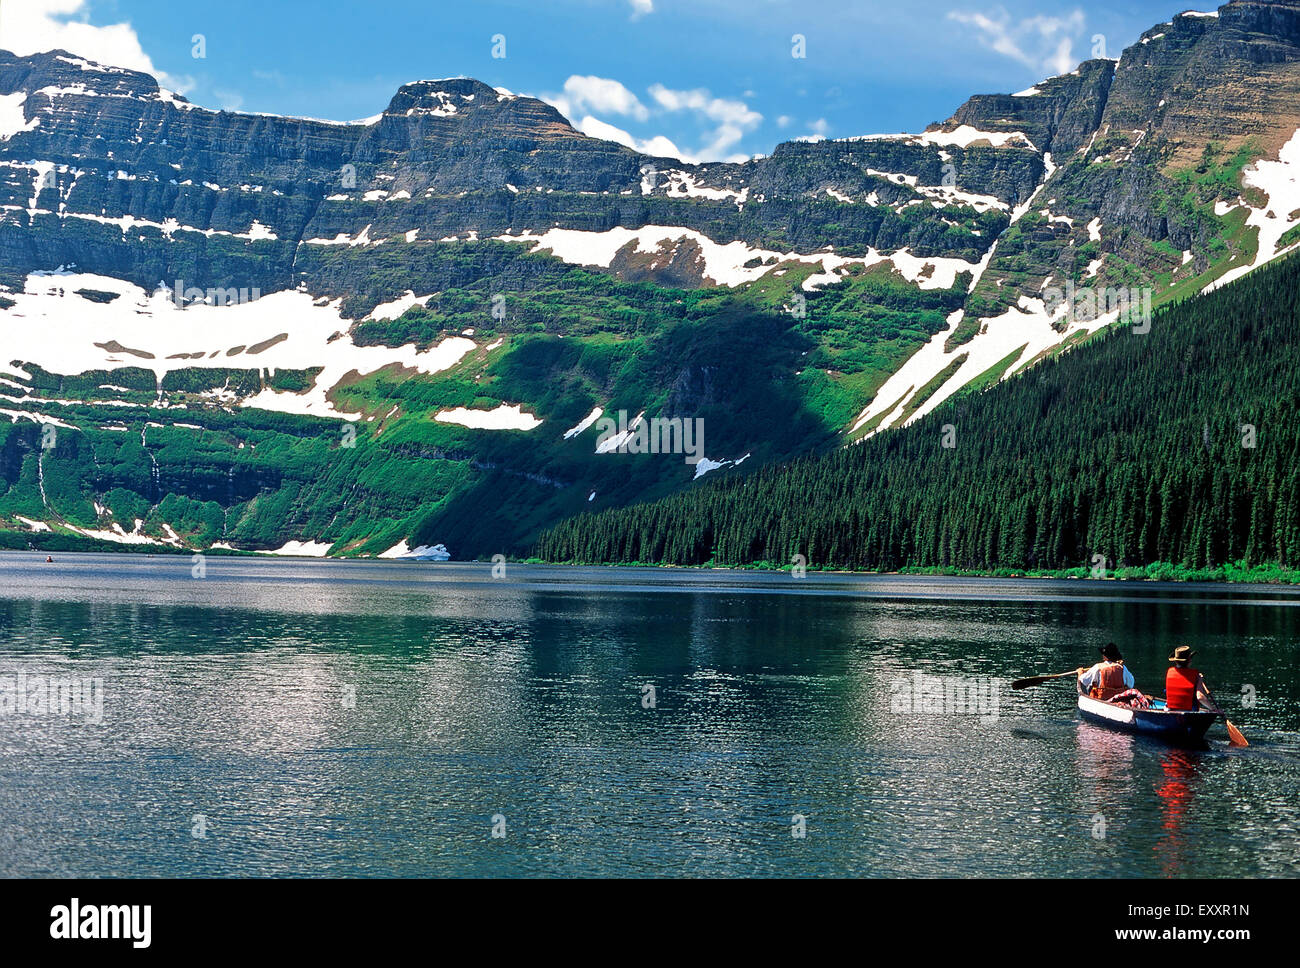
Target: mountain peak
[(61, 70), (1058, 114), (466, 99)]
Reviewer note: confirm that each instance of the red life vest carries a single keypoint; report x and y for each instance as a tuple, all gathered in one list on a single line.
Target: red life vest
[(1110, 681), (1180, 688)]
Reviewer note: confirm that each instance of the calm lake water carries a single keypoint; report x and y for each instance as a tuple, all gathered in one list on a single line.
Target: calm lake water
[(323, 718)]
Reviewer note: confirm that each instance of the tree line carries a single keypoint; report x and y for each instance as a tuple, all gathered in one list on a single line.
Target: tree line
[(1178, 445)]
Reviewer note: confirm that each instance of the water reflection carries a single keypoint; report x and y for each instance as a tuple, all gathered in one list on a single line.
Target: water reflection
[(1105, 758), (1174, 792)]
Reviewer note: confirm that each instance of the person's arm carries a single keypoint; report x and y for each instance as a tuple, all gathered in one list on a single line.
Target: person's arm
[(1203, 695), (1088, 677), (1129, 681)]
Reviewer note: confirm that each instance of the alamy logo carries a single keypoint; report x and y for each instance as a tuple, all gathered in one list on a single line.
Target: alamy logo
[(212, 296), (1086, 304), (924, 695), (73, 922), (658, 435), (37, 695)]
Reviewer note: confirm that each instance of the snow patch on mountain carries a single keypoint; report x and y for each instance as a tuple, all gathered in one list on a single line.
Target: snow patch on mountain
[(1027, 327), (583, 424), (12, 121), (1280, 181), (682, 184), (361, 238), (394, 309), (949, 196), (42, 180), (704, 465), (963, 136), (435, 552), (302, 549), (726, 264), (615, 441), (41, 418), (148, 330), (503, 417), (445, 108), (91, 66)]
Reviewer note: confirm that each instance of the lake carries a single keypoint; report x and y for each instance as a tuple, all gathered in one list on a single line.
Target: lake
[(284, 717)]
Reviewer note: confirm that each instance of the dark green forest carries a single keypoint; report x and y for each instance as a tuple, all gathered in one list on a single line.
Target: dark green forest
[(1178, 446)]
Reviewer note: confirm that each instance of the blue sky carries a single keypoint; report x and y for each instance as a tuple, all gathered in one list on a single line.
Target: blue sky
[(712, 78)]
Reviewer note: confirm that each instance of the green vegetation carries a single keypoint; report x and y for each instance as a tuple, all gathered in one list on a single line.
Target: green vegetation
[(772, 370), (1137, 450)]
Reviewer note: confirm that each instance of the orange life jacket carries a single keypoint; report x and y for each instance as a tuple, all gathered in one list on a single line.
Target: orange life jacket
[(1180, 688), (1110, 681)]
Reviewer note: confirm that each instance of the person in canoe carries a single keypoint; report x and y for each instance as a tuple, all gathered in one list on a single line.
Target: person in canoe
[(1185, 688), (1110, 681)]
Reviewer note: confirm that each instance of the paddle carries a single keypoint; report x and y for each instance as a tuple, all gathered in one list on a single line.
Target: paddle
[(1039, 680), (1234, 734), (1235, 737)]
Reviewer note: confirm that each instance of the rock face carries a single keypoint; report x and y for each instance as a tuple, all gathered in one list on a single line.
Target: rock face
[(1149, 153), (1060, 115), (105, 170)]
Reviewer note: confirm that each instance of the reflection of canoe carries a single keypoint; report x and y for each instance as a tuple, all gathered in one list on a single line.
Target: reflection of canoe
[(1170, 725)]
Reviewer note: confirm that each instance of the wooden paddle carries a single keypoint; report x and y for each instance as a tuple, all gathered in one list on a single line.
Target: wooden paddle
[(1234, 734), (1039, 680)]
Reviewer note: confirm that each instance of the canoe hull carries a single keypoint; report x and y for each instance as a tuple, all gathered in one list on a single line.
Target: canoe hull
[(1170, 726)]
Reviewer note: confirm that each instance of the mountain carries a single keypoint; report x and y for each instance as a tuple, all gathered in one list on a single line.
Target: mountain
[(223, 329), (1169, 454)]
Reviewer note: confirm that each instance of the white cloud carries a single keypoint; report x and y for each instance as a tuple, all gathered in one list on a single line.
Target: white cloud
[(34, 26), (1041, 43), (702, 102), (641, 7), (726, 120), (658, 145), (734, 118), (590, 93)]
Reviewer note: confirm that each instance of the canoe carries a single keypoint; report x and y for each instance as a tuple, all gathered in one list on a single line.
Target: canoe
[(1170, 725)]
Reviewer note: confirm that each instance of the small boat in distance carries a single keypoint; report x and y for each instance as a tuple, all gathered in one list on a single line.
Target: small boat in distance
[(1177, 726)]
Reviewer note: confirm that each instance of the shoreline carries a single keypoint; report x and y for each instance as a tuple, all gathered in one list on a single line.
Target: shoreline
[(1231, 573), (1226, 573)]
